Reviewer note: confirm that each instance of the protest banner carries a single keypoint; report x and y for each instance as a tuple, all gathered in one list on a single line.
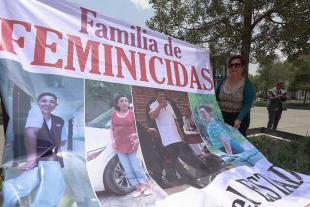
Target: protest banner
[(97, 104)]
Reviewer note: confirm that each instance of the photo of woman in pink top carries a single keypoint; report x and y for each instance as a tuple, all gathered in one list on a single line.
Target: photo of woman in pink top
[(125, 142)]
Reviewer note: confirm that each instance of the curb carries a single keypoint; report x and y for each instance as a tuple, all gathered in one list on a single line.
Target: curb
[(273, 132), (289, 107)]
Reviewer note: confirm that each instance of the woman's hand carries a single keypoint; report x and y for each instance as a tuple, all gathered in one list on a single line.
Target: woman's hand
[(135, 144), (230, 154), (133, 136), (237, 123), (134, 140)]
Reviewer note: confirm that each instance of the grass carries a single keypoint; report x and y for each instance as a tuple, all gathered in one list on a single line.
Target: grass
[(291, 155)]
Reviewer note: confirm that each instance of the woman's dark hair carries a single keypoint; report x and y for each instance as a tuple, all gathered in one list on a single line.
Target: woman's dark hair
[(47, 94), (206, 107), (240, 57), (117, 98)]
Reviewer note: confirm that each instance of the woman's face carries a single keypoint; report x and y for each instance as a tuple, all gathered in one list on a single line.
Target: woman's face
[(205, 115), (235, 67), (123, 103), (47, 104)]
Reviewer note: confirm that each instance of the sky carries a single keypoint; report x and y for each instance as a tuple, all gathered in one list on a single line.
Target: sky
[(133, 11)]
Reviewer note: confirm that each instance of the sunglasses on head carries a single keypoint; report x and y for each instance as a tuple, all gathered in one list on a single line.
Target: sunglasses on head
[(236, 65)]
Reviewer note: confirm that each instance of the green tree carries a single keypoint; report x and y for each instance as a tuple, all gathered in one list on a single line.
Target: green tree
[(301, 77), (94, 89), (269, 72), (255, 79), (236, 26), (266, 72)]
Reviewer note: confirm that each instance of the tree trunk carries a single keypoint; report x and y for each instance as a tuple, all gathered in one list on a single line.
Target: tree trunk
[(305, 97), (246, 37)]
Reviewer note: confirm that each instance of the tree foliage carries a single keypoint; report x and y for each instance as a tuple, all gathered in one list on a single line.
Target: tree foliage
[(198, 99), (296, 73), (255, 79), (236, 26), (301, 75), (270, 71), (100, 89)]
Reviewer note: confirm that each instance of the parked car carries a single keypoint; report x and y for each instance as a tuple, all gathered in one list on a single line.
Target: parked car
[(103, 165)]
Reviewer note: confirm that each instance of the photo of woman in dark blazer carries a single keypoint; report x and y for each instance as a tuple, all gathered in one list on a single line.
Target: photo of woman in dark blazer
[(44, 135)]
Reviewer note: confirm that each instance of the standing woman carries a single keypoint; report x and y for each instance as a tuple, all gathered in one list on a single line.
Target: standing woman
[(235, 95), (125, 142)]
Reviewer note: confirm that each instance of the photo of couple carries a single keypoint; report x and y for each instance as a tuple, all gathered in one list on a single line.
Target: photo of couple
[(180, 159)]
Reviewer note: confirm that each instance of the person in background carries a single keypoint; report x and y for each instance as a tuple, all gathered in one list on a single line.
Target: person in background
[(277, 97), (189, 123), (235, 95), (194, 140), (125, 142)]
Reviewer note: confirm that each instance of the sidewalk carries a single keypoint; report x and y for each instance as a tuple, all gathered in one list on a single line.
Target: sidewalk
[(294, 121)]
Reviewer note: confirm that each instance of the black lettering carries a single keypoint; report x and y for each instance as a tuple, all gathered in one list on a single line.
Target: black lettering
[(271, 198), (230, 189), (240, 203), (281, 175), (254, 188), (285, 192)]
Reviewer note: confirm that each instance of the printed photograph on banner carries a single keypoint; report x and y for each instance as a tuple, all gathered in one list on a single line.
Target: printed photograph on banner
[(220, 138), (44, 155), (173, 151), (114, 159)]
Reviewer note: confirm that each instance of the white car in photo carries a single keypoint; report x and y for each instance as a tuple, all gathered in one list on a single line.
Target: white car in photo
[(104, 168)]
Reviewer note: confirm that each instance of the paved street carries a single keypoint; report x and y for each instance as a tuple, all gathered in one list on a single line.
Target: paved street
[(108, 199), (293, 120)]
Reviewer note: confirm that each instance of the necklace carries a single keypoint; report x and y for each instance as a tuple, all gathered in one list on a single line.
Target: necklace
[(228, 90)]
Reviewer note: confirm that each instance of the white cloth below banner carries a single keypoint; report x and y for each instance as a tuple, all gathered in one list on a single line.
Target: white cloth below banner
[(263, 185)]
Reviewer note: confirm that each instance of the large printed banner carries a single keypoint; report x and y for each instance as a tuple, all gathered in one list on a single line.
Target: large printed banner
[(106, 113)]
